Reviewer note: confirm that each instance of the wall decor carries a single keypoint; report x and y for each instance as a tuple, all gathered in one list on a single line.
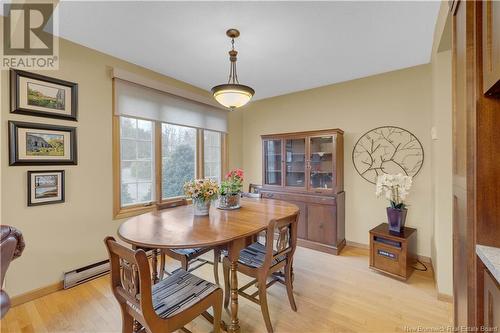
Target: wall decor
[(45, 187), (41, 144), (43, 96), (387, 149)]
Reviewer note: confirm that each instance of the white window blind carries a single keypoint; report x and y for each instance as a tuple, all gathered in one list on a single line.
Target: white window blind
[(134, 100)]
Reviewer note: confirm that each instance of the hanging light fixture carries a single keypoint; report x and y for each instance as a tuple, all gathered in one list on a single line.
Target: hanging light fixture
[(232, 94)]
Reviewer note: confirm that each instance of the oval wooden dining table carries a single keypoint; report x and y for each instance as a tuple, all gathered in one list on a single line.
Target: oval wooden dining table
[(178, 228)]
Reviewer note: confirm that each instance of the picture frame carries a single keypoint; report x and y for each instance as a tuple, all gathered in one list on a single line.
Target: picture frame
[(41, 144), (42, 96), (45, 187)]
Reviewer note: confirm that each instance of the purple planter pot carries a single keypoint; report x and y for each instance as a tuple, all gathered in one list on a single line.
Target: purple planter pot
[(396, 219)]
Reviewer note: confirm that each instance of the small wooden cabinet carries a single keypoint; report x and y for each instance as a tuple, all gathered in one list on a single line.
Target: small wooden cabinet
[(307, 169), (392, 254), (491, 48)]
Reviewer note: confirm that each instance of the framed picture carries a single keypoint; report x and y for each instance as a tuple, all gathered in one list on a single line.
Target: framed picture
[(43, 96), (45, 187), (40, 144)]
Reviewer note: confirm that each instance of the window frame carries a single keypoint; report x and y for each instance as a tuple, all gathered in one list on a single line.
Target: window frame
[(120, 211)]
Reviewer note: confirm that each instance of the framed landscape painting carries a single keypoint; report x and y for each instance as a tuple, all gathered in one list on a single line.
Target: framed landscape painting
[(43, 96), (45, 187), (41, 144)]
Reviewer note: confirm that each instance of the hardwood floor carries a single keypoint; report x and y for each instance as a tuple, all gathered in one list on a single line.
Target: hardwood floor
[(333, 294)]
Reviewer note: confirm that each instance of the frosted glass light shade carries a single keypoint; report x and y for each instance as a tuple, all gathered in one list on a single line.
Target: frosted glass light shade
[(232, 95)]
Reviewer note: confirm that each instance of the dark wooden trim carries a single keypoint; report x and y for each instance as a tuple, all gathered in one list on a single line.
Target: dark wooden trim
[(14, 95), (331, 249), (47, 202), (303, 133), (13, 144)]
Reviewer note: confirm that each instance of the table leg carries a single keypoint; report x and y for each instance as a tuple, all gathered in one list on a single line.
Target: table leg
[(234, 326), (233, 250), (154, 264)]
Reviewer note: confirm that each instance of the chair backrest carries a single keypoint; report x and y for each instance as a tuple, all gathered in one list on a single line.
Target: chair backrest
[(131, 280), (254, 188), (285, 230)]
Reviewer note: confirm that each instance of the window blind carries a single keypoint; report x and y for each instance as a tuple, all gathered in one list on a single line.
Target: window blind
[(135, 100)]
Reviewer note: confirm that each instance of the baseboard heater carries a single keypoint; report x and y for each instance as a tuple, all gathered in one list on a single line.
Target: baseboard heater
[(84, 274), (87, 273)]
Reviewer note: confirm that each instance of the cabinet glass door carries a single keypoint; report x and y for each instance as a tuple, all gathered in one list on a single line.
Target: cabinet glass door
[(295, 162), (272, 162), (321, 163)]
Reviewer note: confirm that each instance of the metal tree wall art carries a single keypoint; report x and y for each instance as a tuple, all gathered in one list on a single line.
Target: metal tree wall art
[(387, 149)]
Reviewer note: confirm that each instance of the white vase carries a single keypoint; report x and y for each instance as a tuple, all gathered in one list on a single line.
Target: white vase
[(201, 207)]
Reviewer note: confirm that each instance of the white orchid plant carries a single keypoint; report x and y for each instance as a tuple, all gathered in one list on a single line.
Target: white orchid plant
[(394, 188)]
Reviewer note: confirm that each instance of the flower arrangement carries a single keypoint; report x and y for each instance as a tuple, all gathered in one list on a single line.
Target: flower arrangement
[(233, 182), (395, 188), (201, 189)]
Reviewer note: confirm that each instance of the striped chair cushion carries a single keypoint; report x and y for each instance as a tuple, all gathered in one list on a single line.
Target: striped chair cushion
[(254, 255), (178, 292), (187, 252)]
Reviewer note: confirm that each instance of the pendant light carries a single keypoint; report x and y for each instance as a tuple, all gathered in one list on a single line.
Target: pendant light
[(232, 94)]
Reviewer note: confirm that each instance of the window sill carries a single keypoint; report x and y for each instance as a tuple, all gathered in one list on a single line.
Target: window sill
[(125, 212), (132, 211)]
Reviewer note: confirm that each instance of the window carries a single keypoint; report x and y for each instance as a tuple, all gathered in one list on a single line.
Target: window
[(136, 161), (160, 141), (212, 154), (178, 158)]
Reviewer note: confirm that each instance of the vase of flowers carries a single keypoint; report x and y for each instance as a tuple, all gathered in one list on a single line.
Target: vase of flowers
[(395, 188), (230, 190), (202, 191)]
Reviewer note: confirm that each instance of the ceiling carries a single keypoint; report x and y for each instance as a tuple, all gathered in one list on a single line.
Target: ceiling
[(283, 47)]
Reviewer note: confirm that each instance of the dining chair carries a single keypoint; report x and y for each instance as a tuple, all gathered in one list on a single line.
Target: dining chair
[(261, 261), (163, 307), (254, 188), (188, 257)]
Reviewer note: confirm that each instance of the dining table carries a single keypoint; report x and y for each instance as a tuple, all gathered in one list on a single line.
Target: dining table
[(179, 228)]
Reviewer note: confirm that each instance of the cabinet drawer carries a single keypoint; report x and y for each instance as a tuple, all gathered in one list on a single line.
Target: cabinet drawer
[(323, 200), (388, 258)]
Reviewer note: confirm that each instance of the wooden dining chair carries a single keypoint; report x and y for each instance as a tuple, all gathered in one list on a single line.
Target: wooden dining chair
[(163, 307), (261, 261), (254, 188), (188, 257)]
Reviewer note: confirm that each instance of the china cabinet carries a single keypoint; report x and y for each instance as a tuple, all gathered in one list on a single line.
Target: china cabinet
[(306, 169)]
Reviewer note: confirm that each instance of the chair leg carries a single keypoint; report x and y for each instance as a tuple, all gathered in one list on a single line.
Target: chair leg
[(288, 284), (162, 265), (127, 322), (263, 305), (217, 308), (227, 291), (216, 264), (185, 263)]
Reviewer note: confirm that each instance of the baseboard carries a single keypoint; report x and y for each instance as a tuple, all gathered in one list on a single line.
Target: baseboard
[(358, 245), (445, 297), (423, 259), (37, 293)]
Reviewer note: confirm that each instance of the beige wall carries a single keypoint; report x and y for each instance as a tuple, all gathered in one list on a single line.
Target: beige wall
[(442, 148), (441, 172), (65, 236), (401, 98)]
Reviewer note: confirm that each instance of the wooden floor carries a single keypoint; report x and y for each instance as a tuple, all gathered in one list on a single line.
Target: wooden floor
[(333, 294)]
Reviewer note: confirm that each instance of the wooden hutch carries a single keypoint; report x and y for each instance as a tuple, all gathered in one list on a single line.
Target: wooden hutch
[(307, 169)]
